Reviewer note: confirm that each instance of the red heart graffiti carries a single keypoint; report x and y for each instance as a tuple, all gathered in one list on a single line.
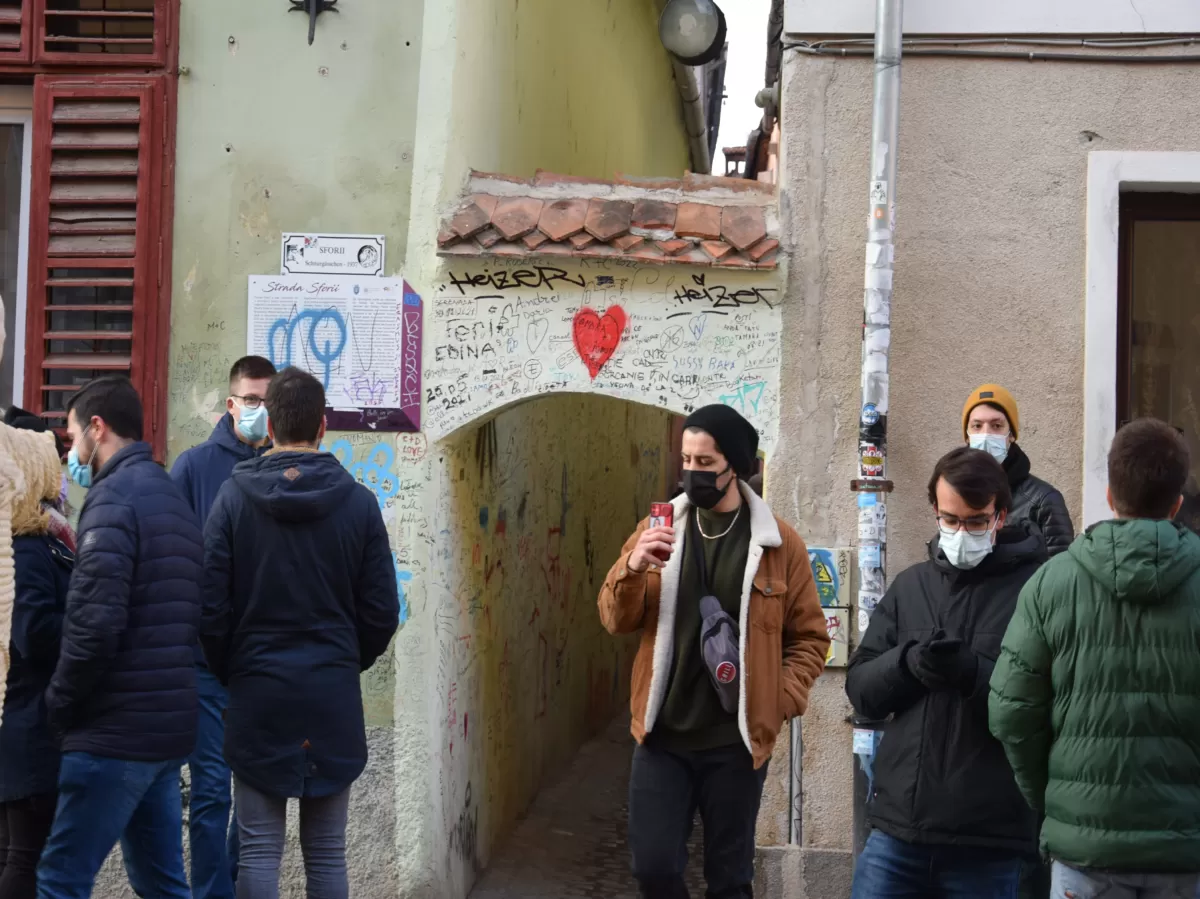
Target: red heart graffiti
[(597, 336)]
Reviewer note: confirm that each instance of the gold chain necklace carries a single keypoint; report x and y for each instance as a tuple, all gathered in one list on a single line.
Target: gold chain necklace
[(700, 527)]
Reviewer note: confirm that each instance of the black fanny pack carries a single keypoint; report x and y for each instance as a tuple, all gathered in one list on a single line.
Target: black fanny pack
[(720, 640)]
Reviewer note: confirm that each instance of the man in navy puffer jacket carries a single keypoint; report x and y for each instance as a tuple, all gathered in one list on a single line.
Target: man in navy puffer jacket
[(124, 692)]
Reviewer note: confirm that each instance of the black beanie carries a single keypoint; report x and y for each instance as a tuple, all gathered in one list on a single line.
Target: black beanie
[(735, 437)]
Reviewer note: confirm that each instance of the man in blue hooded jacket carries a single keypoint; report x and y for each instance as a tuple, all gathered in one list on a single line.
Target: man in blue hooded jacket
[(299, 598), (200, 473)]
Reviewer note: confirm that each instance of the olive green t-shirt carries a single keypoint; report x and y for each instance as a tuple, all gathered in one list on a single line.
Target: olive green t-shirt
[(691, 716)]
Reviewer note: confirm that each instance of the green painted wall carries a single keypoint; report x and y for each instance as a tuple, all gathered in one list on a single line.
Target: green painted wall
[(577, 87), (275, 135)]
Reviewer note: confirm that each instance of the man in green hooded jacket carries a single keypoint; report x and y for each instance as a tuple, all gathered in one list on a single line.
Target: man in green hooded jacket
[(1096, 696)]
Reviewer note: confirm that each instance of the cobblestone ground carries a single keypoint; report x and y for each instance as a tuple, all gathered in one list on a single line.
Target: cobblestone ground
[(571, 844)]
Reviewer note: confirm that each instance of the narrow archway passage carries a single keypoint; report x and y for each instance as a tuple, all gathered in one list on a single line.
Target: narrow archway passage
[(571, 844)]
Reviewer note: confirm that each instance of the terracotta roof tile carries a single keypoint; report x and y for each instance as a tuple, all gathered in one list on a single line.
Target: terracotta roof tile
[(652, 214), (647, 219), (517, 216), (717, 249), (698, 220), (763, 248), (673, 247), (563, 219), (475, 215), (743, 226), (608, 219)]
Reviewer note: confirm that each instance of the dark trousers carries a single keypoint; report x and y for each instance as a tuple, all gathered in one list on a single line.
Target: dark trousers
[(665, 791), (893, 869), (24, 827)]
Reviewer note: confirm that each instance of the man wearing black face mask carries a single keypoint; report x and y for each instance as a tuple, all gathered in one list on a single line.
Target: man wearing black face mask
[(733, 637)]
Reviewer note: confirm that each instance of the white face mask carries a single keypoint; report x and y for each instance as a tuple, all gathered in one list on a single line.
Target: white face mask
[(962, 550), (995, 445)]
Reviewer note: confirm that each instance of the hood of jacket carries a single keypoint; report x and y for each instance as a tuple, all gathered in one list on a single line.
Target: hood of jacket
[(295, 486), (1138, 560), (1015, 545)]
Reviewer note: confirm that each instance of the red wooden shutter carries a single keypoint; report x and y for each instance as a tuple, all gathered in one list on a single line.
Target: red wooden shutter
[(95, 301), (101, 32), (16, 18)]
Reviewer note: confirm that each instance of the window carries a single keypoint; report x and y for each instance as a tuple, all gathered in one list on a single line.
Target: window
[(101, 32), (14, 30), (97, 241), (1159, 317)]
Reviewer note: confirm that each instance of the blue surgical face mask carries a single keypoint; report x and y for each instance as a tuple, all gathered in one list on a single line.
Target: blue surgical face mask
[(995, 445), (252, 423), (963, 550), (81, 472)]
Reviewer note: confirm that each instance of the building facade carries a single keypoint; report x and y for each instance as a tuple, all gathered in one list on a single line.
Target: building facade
[(1046, 240)]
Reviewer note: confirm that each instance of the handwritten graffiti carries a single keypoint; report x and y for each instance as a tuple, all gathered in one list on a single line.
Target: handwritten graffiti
[(465, 832), (324, 340), (377, 472), (537, 277), (366, 389), (719, 297), (596, 336)]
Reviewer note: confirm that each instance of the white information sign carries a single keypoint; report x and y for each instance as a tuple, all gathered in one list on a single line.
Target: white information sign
[(360, 337), (333, 254)]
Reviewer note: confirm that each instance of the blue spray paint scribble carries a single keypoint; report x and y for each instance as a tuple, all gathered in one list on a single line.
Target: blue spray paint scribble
[(325, 347), (403, 582), (377, 472), (746, 397)]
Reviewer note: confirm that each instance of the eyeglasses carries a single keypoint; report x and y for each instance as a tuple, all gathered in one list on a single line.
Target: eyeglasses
[(976, 525), (250, 402)]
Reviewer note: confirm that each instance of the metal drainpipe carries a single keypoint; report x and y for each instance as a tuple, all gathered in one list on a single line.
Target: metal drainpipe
[(687, 80), (871, 485)]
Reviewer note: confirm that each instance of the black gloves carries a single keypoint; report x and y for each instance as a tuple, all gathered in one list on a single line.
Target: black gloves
[(943, 663)]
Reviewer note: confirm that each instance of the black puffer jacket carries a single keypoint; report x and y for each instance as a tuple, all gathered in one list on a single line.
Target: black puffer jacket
[(940, 777), (1038, 503)]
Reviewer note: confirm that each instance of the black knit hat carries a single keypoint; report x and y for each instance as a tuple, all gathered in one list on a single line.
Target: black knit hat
[(735, 437)]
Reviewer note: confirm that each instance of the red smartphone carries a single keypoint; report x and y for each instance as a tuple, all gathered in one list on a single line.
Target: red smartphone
[(662, 515)]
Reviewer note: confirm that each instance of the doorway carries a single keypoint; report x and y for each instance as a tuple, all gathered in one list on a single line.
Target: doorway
[(1158, 324)]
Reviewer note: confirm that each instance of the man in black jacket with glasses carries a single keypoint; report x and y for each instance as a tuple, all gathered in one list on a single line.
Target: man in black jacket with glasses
[(948, 821)]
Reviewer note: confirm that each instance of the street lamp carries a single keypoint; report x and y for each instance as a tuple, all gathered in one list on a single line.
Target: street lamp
[(693, 31)]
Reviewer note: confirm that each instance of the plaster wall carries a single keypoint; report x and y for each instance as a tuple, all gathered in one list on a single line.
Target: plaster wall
[(572, 88), (990, 283)]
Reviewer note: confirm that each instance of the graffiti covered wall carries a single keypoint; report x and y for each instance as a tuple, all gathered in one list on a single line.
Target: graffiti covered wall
[(532, 508), (673, 337)]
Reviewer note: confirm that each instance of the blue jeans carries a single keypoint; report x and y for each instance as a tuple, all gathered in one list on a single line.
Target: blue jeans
[(101, 801), (213, 841), (262, 819), (1071, 883), (893, 869)]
